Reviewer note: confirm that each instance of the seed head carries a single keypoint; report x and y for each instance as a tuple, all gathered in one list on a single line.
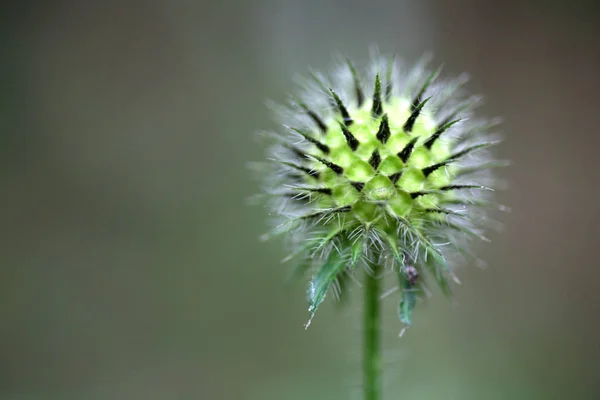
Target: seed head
[(380, 167)]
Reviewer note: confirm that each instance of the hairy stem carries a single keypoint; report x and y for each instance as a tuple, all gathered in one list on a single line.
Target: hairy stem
[(372, 340)]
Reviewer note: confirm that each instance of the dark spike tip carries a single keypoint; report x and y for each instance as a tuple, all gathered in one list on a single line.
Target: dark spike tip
[(442, 211), (407, 150), (395, 177), (414, 195), (321, 146), (456, 156), (308, 171), (410, 122), (453, 115), (384, 133), (462, 187), (375, 160), (316, 119), (432, 168), (358, 185), (350, 138), (471, 149), (360, 97), (441, 129), (342, 109), (326, 191), (334, 167), (377, 108)]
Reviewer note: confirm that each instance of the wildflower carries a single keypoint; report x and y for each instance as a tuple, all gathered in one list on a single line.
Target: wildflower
[(384, 170)]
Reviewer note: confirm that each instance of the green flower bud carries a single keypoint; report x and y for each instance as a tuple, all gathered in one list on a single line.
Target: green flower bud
[(380, 168)]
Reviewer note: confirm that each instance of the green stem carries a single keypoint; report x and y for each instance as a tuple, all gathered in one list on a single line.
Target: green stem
[(372, 341)]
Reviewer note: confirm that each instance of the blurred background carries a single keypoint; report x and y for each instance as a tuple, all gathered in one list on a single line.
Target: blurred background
[(130, 265)]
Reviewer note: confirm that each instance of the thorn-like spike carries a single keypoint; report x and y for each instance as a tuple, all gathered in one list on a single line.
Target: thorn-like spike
[(414, 195), (384, 133), (360, 97), (308, 171), (358, 185), (377, 108), (326, 191), (410, 122), (453, 115), (326, 212), (316, 119), (342, 109), (417, 100), (443, 211), (459, 187), (350, 138), (334, 167), (321, 146), (428, 170), (388, 85), (471, 149), (395, 177), (375, 159), (441, 129), (407, 150)]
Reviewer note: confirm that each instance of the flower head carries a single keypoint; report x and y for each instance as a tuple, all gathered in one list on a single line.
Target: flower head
[(383, 168)]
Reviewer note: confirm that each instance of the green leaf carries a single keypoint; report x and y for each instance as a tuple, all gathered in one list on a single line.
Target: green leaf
[(408, 301), (321, 282), (357, 251), (471, 149)]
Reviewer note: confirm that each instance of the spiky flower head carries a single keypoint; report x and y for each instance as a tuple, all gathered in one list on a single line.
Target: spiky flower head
[(388, 167)]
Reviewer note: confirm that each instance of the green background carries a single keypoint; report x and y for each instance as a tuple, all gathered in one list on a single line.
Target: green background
[(130, 265)]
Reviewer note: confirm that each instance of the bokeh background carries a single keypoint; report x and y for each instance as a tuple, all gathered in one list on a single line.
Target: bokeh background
[(130, 266)]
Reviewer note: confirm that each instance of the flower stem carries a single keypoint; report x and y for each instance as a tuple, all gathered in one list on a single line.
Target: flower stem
[(372, 340)]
